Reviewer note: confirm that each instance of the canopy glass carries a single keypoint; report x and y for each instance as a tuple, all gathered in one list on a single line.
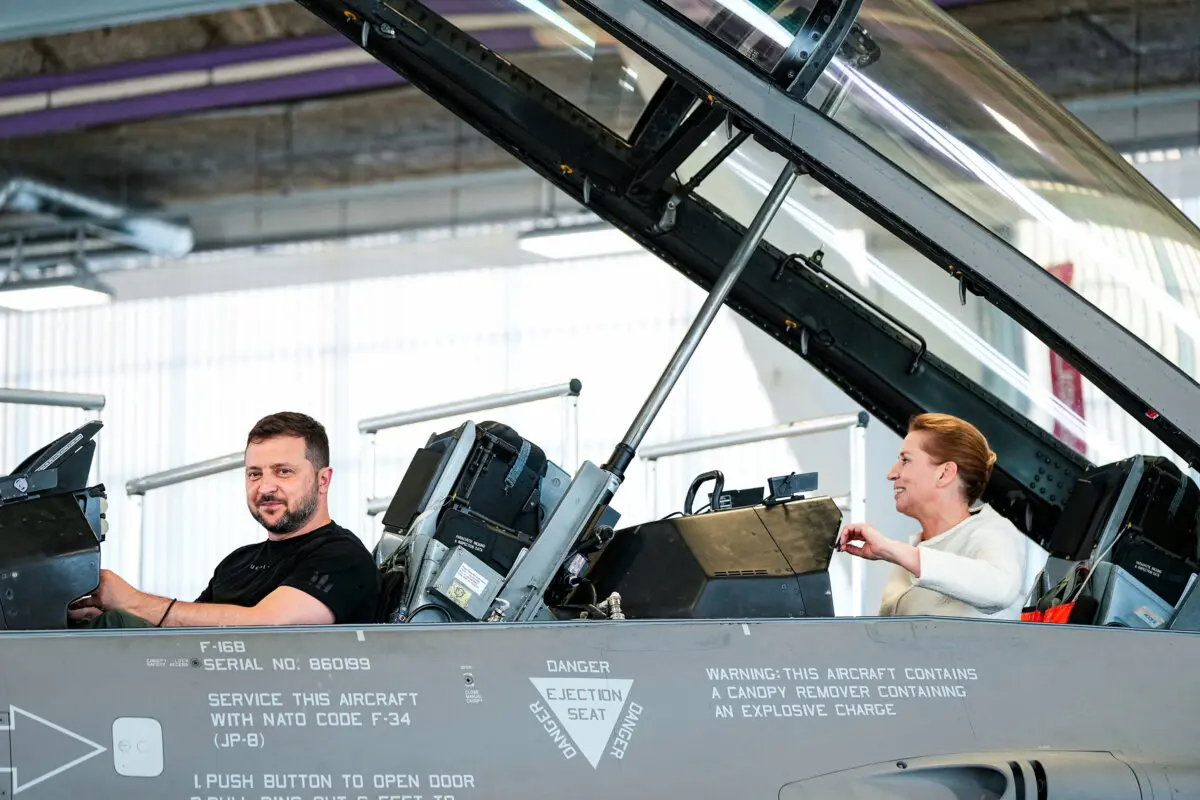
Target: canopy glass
[(930, 97)]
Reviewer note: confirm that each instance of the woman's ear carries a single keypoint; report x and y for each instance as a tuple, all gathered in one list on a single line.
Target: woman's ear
[(947, 473)]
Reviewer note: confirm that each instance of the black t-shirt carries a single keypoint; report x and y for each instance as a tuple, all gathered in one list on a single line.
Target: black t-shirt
[(329, 563)]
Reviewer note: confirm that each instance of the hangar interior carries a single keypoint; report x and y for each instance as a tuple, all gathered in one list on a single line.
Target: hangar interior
[(212, 210)]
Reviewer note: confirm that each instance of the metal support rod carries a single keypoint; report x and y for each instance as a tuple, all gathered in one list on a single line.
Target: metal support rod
[(138, 524), (570, 423), (857, 510), (96, 415), (652, 487), (798, 428), (33, 397), (624, 452), (186, 473), (367, 471), (375, 424), (378, 505)]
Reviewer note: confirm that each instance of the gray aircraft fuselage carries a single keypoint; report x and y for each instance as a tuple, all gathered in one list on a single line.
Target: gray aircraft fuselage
[(755, 709)]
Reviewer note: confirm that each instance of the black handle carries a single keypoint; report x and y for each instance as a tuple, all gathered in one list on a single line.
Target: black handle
[(715, 475)]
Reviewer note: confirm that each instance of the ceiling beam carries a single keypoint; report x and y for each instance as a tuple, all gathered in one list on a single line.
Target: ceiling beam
[(1124, 101), (20, 19), (200, 88)]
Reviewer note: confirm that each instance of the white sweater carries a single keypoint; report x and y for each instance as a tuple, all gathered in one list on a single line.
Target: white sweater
[(982, 567)]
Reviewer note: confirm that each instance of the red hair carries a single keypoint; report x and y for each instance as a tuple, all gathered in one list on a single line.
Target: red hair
[(953, 439)]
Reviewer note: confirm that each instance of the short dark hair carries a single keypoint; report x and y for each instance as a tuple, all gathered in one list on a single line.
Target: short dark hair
[(292, 423)]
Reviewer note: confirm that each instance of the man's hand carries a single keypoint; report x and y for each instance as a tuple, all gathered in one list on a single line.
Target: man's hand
[(113, 594), (877, 547), (84, 609), (284, 606)]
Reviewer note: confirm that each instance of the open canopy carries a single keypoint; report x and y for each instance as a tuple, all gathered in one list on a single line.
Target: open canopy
[(926, 95), (960, 243)]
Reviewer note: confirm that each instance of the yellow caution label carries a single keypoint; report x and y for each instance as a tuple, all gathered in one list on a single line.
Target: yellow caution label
[(459, 594)]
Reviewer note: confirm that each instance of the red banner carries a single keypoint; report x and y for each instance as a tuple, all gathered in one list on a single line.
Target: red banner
[(1066, 381)]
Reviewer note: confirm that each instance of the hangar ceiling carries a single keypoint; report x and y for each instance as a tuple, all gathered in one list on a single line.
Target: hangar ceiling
[(253, 122)]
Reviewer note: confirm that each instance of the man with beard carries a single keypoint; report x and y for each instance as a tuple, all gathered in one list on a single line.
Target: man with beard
[(309, 571)]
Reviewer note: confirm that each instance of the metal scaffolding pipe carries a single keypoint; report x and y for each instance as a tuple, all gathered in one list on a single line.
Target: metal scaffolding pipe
[(188, 472), (376, 424), (800, 428), (33, 397)]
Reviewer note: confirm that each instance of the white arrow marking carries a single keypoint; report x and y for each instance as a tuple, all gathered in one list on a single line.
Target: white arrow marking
[(19, 787)]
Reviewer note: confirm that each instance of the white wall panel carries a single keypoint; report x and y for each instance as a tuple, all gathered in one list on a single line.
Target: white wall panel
[(186, 378)]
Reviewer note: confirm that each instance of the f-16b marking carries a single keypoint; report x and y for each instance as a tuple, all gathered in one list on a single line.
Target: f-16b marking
[(34, 727)]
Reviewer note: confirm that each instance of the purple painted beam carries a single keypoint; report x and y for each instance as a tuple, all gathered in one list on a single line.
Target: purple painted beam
[(165, 66), (313, 84), (339, 80), (254, 52), (241, 54), (332, 81)]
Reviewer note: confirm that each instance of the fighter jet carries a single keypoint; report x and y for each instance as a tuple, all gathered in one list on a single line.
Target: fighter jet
[(928, 231)]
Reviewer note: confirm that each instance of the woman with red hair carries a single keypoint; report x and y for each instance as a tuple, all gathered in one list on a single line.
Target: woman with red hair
[(967, 560)]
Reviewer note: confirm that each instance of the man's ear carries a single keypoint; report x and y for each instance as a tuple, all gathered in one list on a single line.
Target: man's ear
[(324, 476)]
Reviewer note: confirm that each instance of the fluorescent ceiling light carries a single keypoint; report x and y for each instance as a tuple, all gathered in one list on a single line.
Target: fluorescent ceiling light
[(580, 242), (49, 295)]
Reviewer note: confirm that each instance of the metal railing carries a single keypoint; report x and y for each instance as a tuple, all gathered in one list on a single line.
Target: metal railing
[(33, 397), (92, 403), (852, 505), (188, 472), (370, 428), (136, 489)]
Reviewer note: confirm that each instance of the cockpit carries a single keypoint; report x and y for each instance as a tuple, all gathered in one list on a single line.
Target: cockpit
[(942, 236), (956, 240), (475, 500), (1123, 553)]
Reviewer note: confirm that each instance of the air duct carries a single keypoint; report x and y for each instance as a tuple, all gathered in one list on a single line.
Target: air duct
[(95, 217)]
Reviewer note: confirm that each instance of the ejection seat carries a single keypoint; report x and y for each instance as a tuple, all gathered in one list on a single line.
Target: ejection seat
[(1126, 547)]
